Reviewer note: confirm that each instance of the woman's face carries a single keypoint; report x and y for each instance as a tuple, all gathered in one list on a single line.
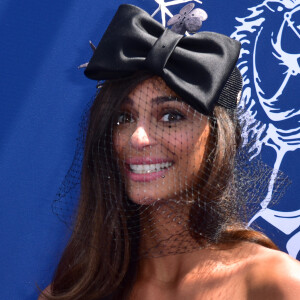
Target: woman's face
[(160, 143)]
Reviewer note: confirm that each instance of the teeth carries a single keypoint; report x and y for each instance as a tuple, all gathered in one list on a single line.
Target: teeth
[(145, 169)]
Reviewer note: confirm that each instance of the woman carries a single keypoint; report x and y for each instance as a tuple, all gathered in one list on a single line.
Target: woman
[(161, 204)]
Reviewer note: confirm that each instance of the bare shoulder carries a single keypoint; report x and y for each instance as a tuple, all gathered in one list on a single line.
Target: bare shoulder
[(272, 274), (46, 292)]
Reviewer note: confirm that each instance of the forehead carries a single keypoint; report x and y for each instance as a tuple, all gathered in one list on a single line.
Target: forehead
[(151, 88), (153, 92)]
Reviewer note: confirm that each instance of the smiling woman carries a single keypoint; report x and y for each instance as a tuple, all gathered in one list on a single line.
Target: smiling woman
[(159, 140), (163, 188)]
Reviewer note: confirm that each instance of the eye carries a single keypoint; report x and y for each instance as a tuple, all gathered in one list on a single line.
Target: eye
[(172, 116), (125, 117)]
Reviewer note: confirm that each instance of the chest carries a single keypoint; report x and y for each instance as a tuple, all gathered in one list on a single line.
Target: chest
[(200, 288)]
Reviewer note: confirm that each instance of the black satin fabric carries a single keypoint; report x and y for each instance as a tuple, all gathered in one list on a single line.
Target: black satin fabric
[(196, 67)]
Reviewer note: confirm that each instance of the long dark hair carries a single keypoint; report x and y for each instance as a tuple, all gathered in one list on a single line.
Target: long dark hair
[(98, 260)]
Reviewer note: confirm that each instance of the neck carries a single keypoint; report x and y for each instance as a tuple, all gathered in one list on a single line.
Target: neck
[(167, 250), (165, 230)]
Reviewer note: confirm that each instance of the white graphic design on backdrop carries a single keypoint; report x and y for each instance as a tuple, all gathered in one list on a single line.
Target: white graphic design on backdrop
[(270, 38), (163, 8)]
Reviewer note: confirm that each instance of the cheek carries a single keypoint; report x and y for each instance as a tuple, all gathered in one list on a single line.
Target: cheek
[(120, 140), (186, 143), (117, 143), (189, 147)]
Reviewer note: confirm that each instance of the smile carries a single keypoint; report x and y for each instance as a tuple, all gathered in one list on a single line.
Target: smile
[(150, 168), (146, 169)]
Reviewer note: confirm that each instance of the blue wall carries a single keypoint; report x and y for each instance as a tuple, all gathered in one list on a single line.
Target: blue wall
[(42, 97)]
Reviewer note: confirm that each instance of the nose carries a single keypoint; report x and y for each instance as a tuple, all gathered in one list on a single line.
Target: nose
[(140, 138)]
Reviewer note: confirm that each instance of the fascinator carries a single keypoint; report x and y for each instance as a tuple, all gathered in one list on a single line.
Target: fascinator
[(160, 167), (196, 67)]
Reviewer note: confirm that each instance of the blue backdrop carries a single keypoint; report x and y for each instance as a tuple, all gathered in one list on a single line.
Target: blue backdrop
[(43, 95)]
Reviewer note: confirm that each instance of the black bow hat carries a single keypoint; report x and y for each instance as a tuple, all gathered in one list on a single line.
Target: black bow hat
[(199, 68)]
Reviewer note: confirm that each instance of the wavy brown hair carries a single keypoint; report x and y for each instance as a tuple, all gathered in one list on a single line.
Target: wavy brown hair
[(98, 260)]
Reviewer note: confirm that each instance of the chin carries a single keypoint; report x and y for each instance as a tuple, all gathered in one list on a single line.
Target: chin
[(144, 199)]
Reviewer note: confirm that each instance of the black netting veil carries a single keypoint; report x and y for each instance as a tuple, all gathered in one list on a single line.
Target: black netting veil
[(154, 176)]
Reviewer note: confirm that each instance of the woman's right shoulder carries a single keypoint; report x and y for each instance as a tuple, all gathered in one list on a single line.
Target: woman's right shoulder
[(46, 292), (273, 274)]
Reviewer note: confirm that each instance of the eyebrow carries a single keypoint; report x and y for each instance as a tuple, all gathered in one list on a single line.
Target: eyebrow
[(163, 99), (157, 100)]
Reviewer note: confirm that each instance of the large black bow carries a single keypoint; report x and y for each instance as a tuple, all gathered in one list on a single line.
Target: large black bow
[(196, 67)]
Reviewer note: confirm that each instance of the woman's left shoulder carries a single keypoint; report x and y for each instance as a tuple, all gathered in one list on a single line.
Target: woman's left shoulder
[(272, 274)]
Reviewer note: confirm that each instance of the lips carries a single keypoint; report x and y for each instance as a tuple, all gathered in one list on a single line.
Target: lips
[(144, 169)]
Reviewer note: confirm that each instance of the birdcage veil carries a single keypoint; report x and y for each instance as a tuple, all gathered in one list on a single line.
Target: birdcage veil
[(159, 167)]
